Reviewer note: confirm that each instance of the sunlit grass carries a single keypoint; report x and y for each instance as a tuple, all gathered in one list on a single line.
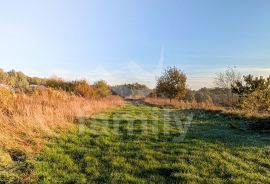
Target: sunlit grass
[(135, 144), (27, 120)]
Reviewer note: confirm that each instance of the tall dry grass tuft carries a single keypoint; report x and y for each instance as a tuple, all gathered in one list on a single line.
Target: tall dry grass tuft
[(26, 119), (208, 106), (181, 104)]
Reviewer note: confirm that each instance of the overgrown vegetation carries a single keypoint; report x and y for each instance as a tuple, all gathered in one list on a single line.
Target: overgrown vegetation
[(134, 144), (26, 121), (26, 118), (232, 91), (29, 114), (172, 85), (19, 81)]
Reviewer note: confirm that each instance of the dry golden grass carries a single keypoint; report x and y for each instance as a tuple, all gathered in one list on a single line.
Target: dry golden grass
[(233, 112), (181, 104), (25, 120)]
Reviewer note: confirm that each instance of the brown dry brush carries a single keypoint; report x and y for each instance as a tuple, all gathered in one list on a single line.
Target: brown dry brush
[(164, 102), (250, 120), (25, 120)]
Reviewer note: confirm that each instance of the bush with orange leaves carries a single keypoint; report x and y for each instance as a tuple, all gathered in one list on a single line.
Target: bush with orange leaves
[(25, 119), (82, 88)]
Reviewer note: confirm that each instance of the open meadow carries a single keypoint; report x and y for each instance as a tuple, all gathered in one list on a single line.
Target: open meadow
[(135, 92), (142, 144)]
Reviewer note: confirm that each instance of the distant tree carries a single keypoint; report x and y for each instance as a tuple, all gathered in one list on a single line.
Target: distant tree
[(172, 84), (136, 86), (58, 83), (223, 97), (189, 96), (17, 79), (203, 95), (37, 81), (102, 88), (134, 90), (225, 80)]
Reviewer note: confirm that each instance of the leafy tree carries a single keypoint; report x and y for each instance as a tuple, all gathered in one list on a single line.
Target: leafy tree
[(134, 90), (250, 84), (102, 88), (254, 93), (172, 84)]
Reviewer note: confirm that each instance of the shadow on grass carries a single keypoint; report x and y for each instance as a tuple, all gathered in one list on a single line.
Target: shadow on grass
[(209, 150), (207, 125), (228, 129)]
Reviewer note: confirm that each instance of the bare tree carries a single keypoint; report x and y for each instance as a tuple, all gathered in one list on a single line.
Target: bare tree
[(228, 78)]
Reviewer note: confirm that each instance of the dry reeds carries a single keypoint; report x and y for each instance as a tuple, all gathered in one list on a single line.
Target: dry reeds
[(26, 119)]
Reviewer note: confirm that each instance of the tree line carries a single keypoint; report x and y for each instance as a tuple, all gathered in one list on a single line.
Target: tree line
[(232, 90), (20, 81)]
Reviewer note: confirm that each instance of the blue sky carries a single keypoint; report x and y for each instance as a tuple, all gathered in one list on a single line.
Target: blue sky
[(124, 41)]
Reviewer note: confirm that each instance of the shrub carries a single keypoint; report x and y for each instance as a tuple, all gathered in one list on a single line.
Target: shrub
[(254, 93), (82, 88), (17, 79), (102, 89), (37, 81), (58, 83), (258, 100)]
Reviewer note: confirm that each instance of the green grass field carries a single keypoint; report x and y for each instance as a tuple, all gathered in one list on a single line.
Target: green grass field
[(140, 144)]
